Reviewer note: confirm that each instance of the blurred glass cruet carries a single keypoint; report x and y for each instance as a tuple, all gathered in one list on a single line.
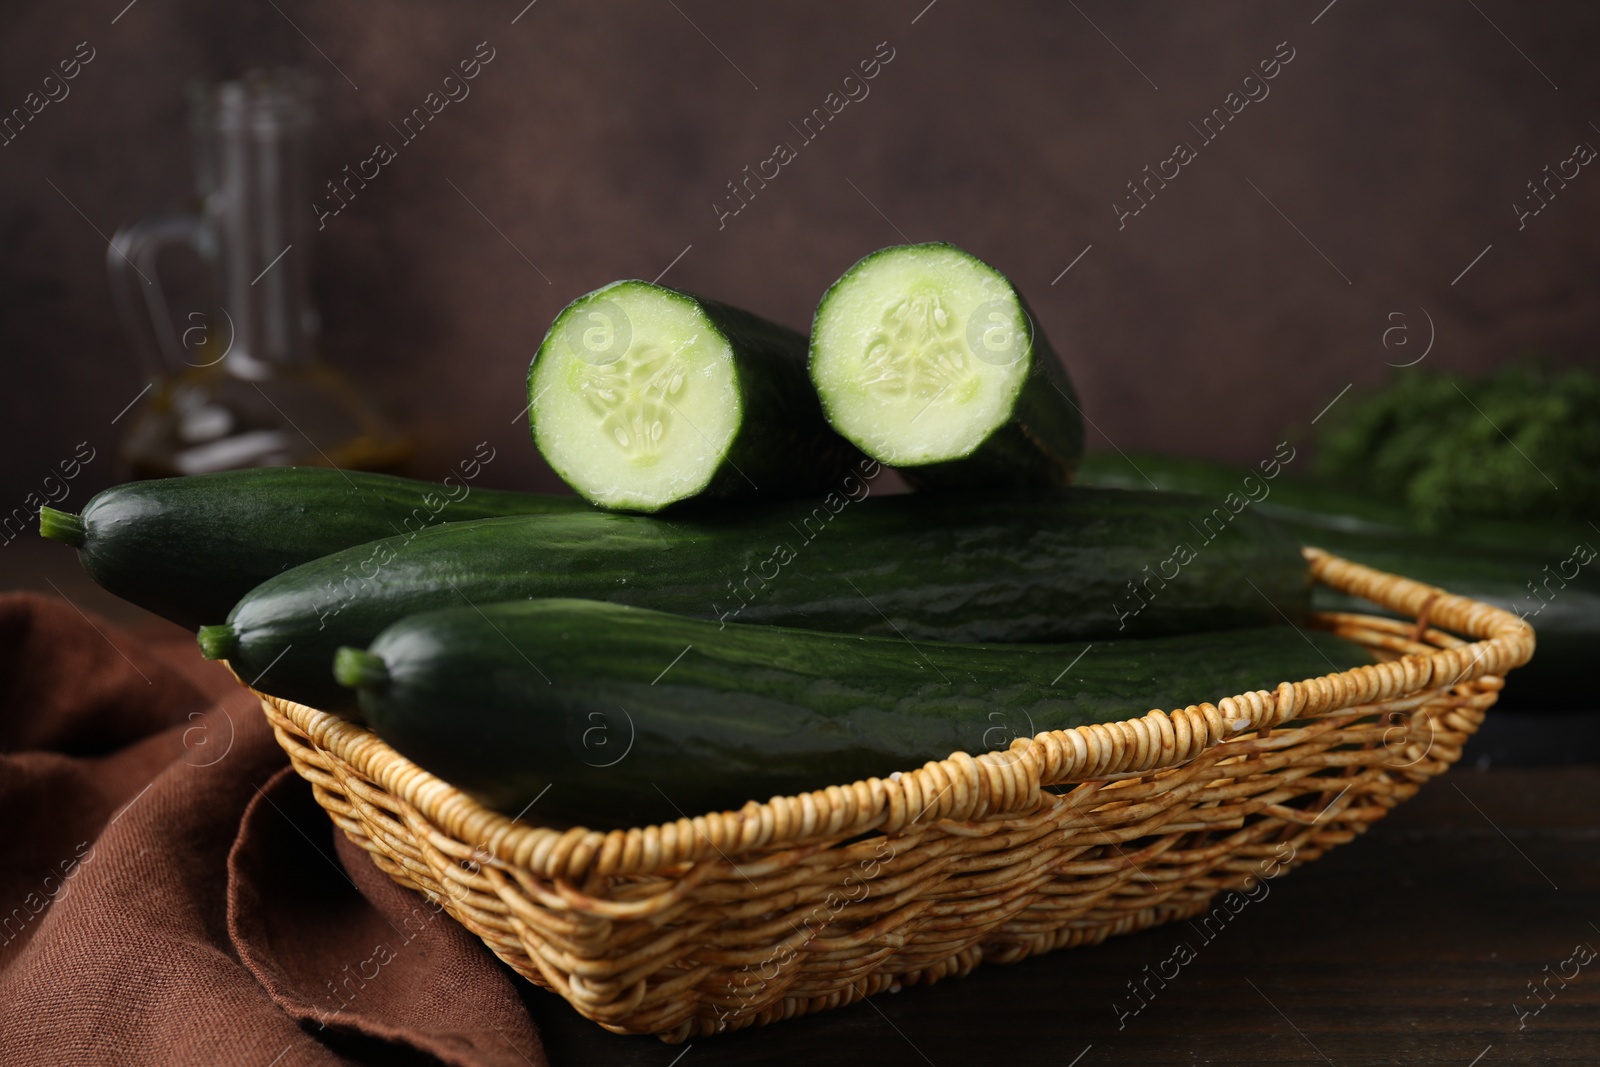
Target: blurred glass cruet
[(237, 379)]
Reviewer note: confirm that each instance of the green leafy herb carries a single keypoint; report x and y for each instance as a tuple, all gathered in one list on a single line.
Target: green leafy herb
[(1520, 441)]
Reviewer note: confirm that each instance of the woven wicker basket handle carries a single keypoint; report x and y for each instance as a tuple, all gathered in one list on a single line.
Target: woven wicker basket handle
[(1135, 747)]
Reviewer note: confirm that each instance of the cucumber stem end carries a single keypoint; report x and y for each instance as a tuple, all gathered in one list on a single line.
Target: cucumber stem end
[(218, 642), (61, 526), (359, 669)]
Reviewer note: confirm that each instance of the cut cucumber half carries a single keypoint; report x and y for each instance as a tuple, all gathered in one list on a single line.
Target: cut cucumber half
[(927, 359), (643, 396)]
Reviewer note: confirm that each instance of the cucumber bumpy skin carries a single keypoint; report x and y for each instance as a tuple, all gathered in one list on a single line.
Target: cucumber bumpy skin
[(1056, 566), (632, 716), (929, 360), (188, 548), (1547, 573), (641, 396)]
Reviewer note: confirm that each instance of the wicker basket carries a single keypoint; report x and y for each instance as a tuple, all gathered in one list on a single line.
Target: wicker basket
[(810, 902)]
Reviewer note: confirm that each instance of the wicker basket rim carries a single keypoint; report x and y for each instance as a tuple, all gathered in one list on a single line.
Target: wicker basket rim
[(960, 787)]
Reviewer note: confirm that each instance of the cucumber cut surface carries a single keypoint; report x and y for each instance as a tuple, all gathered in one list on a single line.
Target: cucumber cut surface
[(635, 399), (643, 396), (928, 359), (893, 359)]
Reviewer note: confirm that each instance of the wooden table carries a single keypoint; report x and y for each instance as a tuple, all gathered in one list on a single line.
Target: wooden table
[(1412, 945)]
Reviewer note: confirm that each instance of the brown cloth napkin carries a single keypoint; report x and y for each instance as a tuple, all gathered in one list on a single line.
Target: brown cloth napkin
[(170, 893)]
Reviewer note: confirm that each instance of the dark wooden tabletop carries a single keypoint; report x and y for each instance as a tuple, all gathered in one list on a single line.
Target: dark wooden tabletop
[(1457, 931), (1440, 937)]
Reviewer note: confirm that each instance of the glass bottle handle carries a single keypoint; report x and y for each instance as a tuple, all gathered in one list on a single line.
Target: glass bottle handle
[(132, 261)]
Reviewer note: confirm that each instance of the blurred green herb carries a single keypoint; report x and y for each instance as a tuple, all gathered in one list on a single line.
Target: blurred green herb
[(1523, 440)]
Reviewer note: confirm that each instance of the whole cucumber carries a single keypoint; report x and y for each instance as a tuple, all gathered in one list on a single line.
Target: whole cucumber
[(1064, 565), (1317, 505), (189, 548), (633, 716), (1547, 573)]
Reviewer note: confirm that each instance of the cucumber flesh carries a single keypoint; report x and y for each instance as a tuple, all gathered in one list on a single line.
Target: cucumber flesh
[(637, 716), (924, 357), (893, 360), (642, 396), (635, 396)]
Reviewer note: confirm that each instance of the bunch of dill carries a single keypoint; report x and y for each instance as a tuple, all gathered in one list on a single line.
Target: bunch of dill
[(1520, 441)]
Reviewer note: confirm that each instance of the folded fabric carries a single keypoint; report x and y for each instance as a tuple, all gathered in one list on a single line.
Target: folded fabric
[(170, 893)]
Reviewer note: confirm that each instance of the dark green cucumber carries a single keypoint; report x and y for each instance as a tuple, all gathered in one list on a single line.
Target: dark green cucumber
[(1075, 563), (1548, 574), (634, 716), (642, 396), (1558, 595), (189, 548), (929, 360), (1290, 498)]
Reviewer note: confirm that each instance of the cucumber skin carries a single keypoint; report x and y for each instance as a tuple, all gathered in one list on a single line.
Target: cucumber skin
[(747, 713), (189, 548), (1314, 504), (784, 446), (1567, 628), (1488, 560), (957, 567), (1038, 447)]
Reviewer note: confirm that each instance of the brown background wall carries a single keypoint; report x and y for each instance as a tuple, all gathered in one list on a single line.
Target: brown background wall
[(601, 134)]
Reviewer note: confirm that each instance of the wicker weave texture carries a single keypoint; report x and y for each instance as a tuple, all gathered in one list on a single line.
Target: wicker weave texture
[(805, 903)]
